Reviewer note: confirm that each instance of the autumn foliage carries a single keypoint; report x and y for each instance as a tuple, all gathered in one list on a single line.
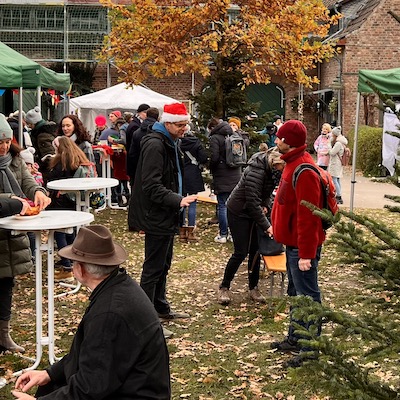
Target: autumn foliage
[(162, 38)]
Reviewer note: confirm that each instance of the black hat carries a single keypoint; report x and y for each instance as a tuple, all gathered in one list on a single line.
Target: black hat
[(143, 107), (276, 117)]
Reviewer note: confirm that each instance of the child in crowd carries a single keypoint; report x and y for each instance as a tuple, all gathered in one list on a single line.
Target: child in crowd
[(322, 146)]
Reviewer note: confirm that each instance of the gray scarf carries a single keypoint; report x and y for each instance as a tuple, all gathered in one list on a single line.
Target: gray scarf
[(10, 184)]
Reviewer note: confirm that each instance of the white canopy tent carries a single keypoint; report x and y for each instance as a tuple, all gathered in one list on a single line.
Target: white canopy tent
[(119, 97)]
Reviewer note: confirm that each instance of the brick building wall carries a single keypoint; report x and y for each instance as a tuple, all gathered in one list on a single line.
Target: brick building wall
[(374, 46)]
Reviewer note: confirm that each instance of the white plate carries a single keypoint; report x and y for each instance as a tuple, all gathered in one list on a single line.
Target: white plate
[(26, 217)]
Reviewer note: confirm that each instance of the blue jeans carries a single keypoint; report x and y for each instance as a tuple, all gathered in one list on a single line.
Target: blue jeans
[(338, 186), (301, 283), (64, 239), (158, 251), (222, 214), (191, 214)]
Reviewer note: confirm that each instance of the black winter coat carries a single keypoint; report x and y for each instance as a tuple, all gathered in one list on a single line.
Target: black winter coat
[(224, 178), (155, 202), (254, 190), (9, 207), (193, 180), (133, 126), (119, 350), (134, 149)]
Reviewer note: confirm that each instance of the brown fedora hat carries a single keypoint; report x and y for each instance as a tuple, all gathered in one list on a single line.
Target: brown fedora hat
[(94, 245)]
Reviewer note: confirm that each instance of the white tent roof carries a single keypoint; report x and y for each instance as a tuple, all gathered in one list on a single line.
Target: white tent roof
[(118, 97)]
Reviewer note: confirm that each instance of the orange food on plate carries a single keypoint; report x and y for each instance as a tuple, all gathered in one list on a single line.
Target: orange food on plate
[(33, 210)]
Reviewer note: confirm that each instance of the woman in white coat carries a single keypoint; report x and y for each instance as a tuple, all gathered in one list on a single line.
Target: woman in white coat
[(335, 167)]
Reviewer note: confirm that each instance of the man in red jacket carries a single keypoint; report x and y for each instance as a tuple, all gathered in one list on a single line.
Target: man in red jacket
[(295, 225)]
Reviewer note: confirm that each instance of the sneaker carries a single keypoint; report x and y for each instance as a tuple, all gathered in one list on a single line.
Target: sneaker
[(173, 315), (65, 275), (286, 346), (298, 361), (223, 296), (229, 238), (256, 296), (167, 333), (220, 239)]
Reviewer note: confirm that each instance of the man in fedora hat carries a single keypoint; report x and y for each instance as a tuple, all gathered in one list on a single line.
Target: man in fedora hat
[(119, 350)]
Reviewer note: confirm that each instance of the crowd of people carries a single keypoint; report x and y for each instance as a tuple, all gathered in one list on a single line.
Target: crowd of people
[(159, 166)]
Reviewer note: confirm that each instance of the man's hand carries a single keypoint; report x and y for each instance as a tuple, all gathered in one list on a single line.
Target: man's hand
[(304, 264), (185, 202), (29, 379)]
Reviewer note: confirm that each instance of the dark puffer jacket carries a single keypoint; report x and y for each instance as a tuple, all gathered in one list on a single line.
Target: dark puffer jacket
[(155, 202), (193, 181), (254, 190), (14, 249), (224, 178)]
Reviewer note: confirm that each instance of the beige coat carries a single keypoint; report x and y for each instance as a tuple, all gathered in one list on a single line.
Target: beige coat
[(335, 167)]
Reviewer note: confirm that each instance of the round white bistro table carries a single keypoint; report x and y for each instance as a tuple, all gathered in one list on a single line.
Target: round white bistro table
[(50, 221), (87, 185)]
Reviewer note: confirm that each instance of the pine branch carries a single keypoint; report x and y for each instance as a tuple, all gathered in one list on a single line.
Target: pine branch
[(340, 373)]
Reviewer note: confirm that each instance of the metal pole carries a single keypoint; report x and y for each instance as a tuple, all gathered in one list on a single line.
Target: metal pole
[(108, 62), (39, 98), (353, 172), (20, 123)]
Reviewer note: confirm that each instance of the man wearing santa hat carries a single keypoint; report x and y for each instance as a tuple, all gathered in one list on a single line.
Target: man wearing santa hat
[(156, 203)]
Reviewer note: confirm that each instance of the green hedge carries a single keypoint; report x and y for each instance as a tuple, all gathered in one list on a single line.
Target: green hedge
[(369, 150)]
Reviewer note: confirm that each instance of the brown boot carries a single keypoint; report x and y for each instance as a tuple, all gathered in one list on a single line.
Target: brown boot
[(5, 339), (191, 236), (183, 234)]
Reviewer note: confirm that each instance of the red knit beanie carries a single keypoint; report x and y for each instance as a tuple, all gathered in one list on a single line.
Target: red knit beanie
[(117, 113), (293, 133), (100, 120)]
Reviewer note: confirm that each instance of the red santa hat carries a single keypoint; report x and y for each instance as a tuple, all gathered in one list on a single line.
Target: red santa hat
[(175, 112)]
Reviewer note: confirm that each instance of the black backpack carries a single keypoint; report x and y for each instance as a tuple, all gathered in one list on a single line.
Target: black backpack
[(235, 151)]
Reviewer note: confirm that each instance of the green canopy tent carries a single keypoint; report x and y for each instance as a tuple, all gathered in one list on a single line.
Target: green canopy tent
[(19, 72), (386, 81)]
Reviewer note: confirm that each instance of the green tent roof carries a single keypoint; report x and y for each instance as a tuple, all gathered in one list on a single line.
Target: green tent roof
[(387, 81), (18, 71)]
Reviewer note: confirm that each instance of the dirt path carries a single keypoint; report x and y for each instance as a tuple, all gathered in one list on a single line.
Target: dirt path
[(367, 193)]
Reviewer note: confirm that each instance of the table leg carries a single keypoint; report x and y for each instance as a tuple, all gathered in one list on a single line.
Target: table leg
[(39, 307), (50, 295), (107, 167)]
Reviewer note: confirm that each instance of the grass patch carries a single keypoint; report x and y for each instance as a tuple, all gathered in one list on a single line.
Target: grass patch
[(220, 352)]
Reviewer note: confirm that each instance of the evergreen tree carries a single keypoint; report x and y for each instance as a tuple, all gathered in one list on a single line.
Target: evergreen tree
[(345, 368)]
